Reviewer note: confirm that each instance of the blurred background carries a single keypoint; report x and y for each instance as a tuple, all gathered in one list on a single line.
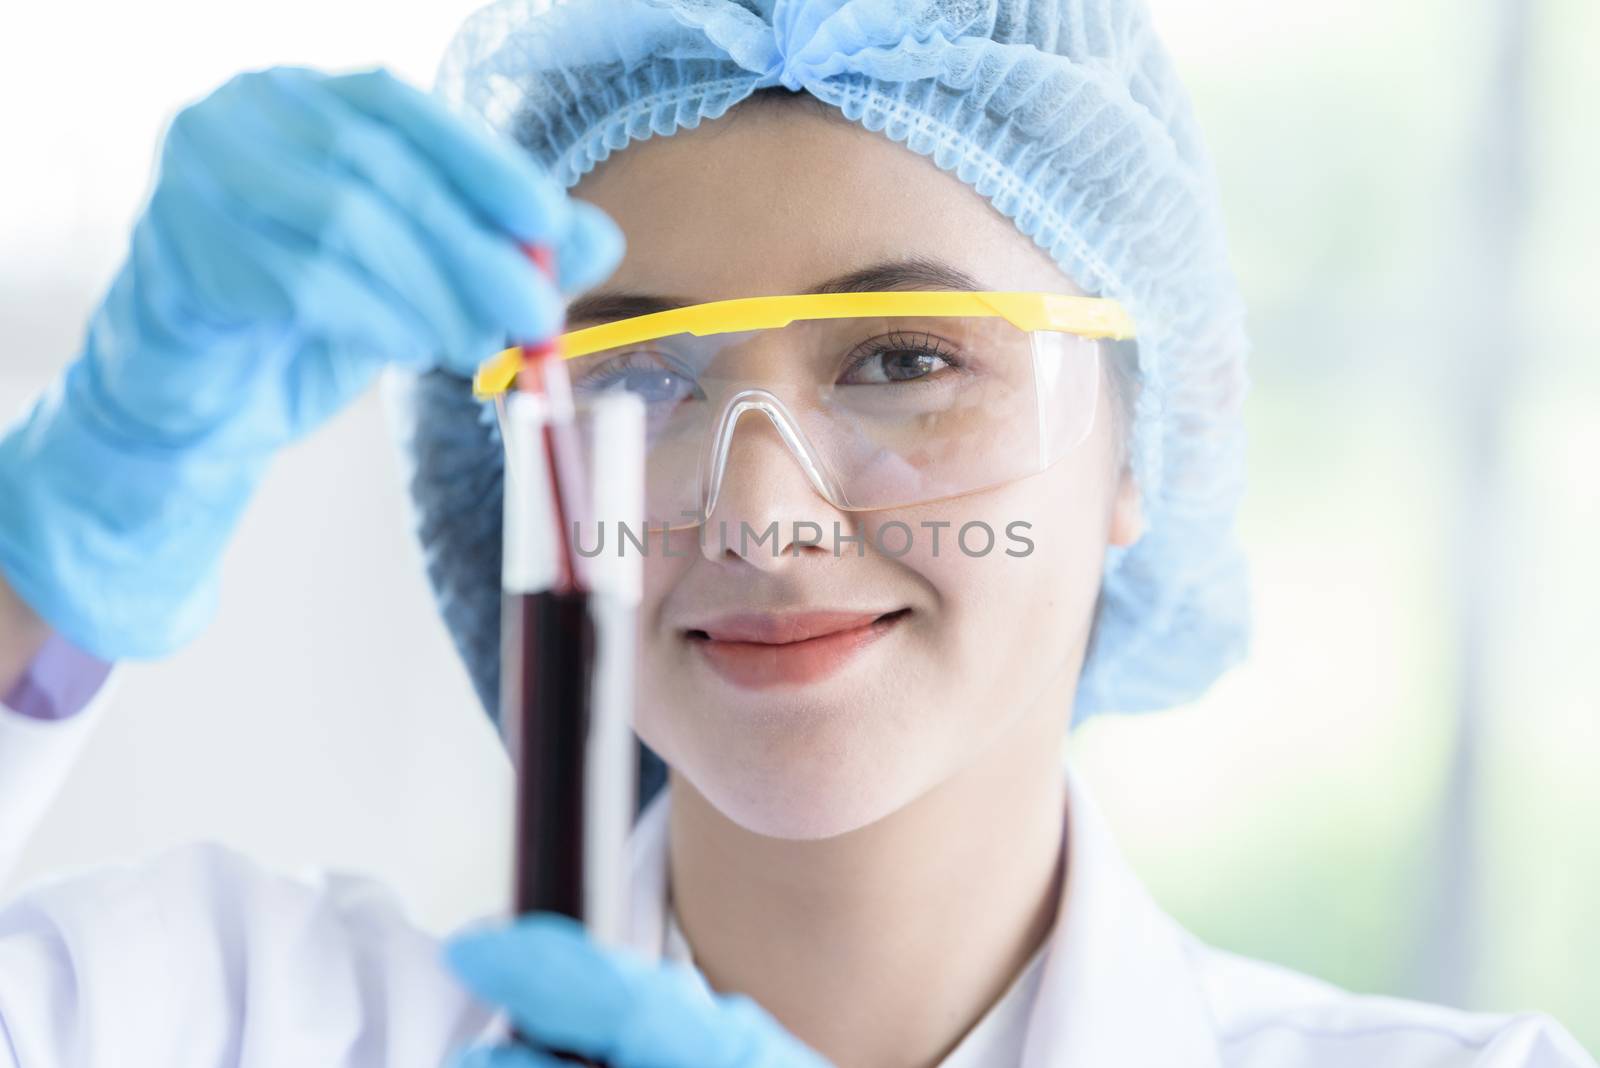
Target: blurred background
[(1398, 792)]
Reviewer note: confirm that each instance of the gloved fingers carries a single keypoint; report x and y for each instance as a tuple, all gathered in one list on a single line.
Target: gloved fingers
[(280, 278), (251, 150), (589, 250), (491, 274), (566, 991), (498, 180), (181, 386), (494, 175)]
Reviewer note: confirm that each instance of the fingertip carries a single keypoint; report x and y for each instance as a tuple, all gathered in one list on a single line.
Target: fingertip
[(480, 953), (471, 953), (591, 248), (539, 317), (518, 304)]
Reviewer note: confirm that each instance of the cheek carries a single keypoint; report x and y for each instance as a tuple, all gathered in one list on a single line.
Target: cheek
[(1068, 510), (1008, 620), (1050, 592)]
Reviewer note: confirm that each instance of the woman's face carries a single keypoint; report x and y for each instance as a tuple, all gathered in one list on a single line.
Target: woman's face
[(772, 200)]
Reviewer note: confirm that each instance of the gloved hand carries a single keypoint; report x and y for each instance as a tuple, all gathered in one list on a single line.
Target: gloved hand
[(303, 231), (565, 991)]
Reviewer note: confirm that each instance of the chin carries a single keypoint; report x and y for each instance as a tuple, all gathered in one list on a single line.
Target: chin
[(824, 781), (797, 807)]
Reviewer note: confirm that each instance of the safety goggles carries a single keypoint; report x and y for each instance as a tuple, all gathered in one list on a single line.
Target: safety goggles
[(885, 399)]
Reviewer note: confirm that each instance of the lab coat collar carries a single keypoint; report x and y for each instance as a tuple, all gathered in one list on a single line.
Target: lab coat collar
[(1118, 986)]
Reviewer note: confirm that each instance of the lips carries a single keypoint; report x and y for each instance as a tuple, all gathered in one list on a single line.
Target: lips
[(760, 650)]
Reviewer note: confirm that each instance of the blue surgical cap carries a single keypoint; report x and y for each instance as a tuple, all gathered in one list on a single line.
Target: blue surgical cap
[(1067, 115)]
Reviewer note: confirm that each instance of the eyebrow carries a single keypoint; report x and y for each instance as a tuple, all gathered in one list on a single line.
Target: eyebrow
[(913, 272)]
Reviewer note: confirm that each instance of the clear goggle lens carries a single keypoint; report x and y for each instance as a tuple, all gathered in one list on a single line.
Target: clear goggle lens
[(878, 412)]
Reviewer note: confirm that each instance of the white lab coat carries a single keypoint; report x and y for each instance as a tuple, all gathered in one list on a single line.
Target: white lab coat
[(198, 957)]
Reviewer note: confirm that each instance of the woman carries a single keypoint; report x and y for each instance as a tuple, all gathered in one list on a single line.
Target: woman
[(865, 843)]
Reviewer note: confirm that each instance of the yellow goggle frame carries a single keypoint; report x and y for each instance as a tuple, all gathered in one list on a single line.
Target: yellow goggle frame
[(1089, 317)]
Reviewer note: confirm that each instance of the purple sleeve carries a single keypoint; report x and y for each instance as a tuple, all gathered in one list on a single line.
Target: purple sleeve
[(58, 683)]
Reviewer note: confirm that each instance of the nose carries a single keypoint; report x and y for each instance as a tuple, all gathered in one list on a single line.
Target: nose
[(766, 489)]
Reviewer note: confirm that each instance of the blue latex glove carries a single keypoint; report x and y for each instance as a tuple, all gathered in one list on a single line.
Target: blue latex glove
[(565, 991), (303, 231)]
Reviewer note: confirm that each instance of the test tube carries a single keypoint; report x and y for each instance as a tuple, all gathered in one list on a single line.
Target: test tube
[(567, 654)]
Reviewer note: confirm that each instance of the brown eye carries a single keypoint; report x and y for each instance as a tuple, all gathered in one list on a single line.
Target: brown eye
[(901, 366), (895, 359)]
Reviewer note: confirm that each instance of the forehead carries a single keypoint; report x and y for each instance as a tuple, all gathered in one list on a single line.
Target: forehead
[(775, 199)]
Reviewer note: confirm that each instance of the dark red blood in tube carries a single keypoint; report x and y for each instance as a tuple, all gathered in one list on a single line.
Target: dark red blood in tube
[(544, 701)]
